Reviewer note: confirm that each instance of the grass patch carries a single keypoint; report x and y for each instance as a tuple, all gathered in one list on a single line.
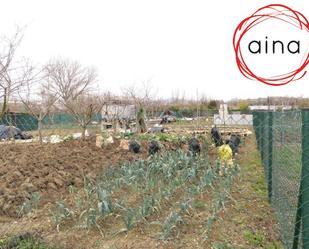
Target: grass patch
[(258, 240), (24, 241), (255, 172), (255, 239), (199, 204), (259, 186), (223, 245)]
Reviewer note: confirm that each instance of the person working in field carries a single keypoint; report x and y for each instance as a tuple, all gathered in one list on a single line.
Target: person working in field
[(226, 150), (225, 154)]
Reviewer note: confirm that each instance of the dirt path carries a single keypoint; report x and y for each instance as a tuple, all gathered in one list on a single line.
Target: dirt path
[(249, 220)]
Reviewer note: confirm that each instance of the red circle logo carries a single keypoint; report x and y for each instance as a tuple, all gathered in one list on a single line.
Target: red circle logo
[(271, 13)]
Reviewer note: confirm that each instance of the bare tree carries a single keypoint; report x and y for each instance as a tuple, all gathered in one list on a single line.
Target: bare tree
[(83, 108), (13, 73), (70, 79), (72, 83), (38, 100)]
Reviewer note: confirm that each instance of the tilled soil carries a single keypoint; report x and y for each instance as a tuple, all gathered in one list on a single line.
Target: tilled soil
[(51, 168)]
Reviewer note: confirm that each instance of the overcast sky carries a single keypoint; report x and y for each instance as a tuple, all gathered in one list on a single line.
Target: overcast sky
[(179, 46)]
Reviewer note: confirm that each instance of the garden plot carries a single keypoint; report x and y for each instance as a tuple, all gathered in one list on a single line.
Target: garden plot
[(142, 192), (50, 168), (126, 200), (158, 195)]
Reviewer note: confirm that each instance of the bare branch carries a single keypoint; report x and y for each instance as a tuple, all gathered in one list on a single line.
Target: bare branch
[(70, 79), (72, 83)]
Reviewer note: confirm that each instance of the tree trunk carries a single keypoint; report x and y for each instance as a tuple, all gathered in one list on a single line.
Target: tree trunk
[(4, 105), (115, 125), (11, 124), (84, 132), (40, 130)]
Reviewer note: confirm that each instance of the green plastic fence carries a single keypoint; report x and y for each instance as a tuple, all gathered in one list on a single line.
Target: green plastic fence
[(23, 121), (26, 122), (283, 141), (65, 120)]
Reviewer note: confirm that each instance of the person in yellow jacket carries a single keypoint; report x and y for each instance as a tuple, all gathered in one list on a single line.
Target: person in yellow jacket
[(225, 154)]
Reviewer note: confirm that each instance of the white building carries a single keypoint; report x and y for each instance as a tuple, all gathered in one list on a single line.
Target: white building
[(269, 107), (224, 118)]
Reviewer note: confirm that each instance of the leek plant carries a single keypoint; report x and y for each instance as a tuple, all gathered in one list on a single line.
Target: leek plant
[(29, 205), (61, 213)]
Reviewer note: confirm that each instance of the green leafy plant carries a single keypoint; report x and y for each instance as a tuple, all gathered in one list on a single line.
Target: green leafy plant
[(61, 213), (129, 219), (147, 208), (170, 224), (89, 219), (105, 205), (32, 203)]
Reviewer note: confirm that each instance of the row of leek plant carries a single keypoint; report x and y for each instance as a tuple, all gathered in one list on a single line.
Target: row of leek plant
[(154, 182)]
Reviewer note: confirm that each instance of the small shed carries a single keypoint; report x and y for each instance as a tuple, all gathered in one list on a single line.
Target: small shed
[(118, 111)]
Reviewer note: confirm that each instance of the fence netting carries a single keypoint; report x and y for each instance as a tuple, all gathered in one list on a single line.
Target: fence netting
[(282, 139), (27, 122)]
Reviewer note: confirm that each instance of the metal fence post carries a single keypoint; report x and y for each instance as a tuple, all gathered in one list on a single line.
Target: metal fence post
[(297, 228), (258, 124), (304, 189), (270, 154), (262, 135)]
